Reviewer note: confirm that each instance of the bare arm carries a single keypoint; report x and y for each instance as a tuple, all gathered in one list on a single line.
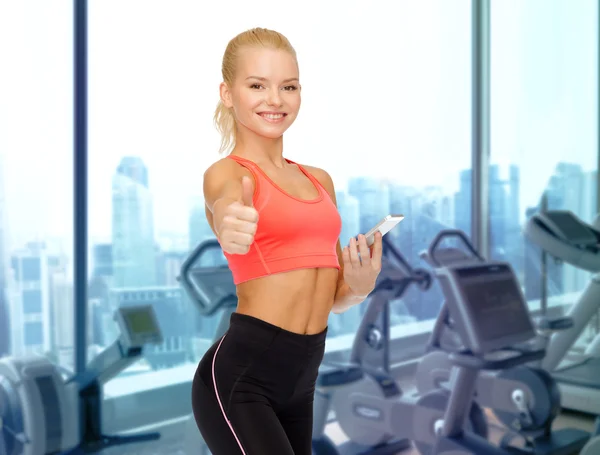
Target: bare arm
[(222, 186)]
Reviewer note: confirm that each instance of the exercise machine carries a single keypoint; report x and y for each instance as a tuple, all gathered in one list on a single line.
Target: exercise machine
[(367, 372), (42, 413), (525, 399), (564, 236), (490, 316), (212, 290), (371, 408)]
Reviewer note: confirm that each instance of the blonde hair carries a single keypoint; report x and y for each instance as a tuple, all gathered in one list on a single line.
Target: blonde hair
[(256, 37)]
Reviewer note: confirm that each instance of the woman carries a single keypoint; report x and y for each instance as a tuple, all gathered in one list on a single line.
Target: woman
[(278, 225)]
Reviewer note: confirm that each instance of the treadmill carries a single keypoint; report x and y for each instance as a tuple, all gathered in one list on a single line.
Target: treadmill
[(561, 234)]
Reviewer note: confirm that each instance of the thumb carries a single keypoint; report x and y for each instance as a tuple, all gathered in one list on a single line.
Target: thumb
[(247, 191)]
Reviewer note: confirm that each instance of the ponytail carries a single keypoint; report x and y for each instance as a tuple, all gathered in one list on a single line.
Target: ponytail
[(225, 124)]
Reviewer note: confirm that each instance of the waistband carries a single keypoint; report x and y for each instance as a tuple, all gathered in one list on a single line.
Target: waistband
[(264, 331)]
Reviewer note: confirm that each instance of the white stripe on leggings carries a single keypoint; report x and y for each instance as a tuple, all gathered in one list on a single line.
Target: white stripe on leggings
[(219, 399)]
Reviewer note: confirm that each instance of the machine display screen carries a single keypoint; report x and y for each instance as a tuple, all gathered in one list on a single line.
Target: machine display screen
[(140, 322), (495, 302)]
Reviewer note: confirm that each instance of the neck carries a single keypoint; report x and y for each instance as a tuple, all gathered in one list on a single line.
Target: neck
[(260, 149)]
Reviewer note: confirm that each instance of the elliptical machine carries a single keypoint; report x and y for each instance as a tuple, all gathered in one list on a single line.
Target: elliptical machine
[(525, 399)]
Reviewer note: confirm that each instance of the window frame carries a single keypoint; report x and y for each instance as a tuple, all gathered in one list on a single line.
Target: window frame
[(138, 409)]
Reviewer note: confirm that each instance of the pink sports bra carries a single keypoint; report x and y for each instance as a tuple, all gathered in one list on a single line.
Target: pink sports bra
[(292, 233)]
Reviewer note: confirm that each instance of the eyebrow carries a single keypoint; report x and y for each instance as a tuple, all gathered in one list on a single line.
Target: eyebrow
[(265, 79)]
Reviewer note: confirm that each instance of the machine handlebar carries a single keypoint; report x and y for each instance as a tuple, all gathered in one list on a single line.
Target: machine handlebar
[(210, 288), (433, 251), (211, 244), (396, 274)]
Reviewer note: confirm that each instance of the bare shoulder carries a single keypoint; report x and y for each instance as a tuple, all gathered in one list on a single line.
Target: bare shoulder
[(225, 168), (223, 178), (323, 177)]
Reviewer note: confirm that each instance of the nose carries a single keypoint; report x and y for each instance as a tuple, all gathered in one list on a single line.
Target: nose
[(274, 97)]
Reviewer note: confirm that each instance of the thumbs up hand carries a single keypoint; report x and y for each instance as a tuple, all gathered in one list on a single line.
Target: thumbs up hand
[(240, 220), (247, 192)]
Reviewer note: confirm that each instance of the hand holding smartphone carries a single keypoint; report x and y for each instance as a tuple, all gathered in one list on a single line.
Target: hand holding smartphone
[(384, 226)]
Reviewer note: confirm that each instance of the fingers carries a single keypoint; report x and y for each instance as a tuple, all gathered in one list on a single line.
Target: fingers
[(237, 242), (233, 248), (354, 259), (232, 223), (357, 253), (243, 212), (377, 251), (363, 249), (346, 257), (241, 238), (247, 191)]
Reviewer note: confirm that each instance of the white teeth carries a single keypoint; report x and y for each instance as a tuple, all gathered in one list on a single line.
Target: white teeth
[(272, 116)]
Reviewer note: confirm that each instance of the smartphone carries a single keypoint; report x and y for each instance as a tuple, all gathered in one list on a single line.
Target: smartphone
[(384, 226)]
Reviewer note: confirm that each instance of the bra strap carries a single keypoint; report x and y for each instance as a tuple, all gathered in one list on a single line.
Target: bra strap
[(252, 167), (311, 177)]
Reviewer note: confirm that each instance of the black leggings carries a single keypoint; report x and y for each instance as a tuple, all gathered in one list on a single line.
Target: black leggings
[(253, 390)]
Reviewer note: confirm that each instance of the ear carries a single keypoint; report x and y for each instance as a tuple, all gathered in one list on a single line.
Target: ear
[(225, 95)]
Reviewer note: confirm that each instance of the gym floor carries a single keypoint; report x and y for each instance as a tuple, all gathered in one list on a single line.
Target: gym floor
[(565, 420), (172, 436), (496, 432)]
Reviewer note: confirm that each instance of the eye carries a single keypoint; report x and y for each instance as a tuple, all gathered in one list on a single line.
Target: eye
[(256, 86), (290, 88)]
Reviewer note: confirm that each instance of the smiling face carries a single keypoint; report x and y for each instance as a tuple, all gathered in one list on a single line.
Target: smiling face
[(265, 95)]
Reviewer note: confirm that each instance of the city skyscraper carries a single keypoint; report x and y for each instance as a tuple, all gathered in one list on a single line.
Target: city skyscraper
[(505, 227), (133, 246), (569, 188), (31, 312), (349, 210), (134, 168), (373, 200), (565, 191), (4, 304), (102, 260), (63, 311)]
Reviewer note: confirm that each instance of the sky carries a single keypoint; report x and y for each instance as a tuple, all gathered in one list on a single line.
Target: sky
[(386, 93)]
